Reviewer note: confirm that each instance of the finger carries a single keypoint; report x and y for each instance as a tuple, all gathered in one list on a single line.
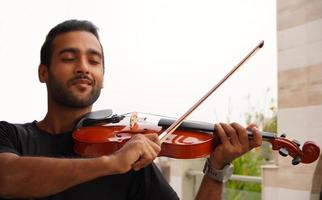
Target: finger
[(155, 147), (222, 135), (144, 160), (231, 132), (250, 126), (154, 142), (143, 143), (153, 137), (242, 136), (257, 138), (150, 150)]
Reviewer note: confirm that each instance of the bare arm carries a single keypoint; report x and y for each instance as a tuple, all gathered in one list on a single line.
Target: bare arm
[(40, 176), (209, 189), (234, 143), (26, 177)]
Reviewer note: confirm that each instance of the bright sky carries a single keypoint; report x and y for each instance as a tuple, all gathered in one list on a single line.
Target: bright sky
[(162, 55)]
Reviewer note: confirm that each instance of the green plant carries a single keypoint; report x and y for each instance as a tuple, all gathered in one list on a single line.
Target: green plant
[(249, 164)]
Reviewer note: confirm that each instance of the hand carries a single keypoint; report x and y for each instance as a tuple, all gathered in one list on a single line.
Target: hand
[(137, 153), (234, 143)]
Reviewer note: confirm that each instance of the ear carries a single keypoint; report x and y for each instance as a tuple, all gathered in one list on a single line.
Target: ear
[(43, 73)]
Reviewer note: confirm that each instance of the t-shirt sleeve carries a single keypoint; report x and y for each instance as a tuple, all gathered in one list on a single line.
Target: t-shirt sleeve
[(8, 138)]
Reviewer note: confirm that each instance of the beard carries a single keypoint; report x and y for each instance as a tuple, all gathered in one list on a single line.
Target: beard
[(61, 95)]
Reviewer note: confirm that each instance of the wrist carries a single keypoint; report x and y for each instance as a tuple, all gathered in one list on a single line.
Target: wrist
[(221, 174), (108, 165), (217, 164)]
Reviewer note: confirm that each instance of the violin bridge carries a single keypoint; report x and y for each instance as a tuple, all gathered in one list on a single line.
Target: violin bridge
[(133, 119)]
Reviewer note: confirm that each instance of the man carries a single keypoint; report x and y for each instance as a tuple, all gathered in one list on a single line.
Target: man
[(37, 159)]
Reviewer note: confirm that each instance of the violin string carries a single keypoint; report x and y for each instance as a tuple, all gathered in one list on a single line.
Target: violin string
[(146, 113)]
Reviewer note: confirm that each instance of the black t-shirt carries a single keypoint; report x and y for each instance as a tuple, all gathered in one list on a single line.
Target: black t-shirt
[(28, 140)]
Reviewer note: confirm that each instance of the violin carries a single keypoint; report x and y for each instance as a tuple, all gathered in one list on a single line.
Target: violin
[(192, 139), (100, 133)]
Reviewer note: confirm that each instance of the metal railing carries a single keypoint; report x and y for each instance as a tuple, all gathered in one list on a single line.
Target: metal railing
[(251, 179), (197, 174)]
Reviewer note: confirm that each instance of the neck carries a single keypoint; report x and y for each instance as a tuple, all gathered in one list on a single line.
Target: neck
[(60, 119)]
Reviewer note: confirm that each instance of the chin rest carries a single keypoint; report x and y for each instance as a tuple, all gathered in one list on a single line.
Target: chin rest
[(96, 117)]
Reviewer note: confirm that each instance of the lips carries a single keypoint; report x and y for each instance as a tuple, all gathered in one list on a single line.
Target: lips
[(81, 81)]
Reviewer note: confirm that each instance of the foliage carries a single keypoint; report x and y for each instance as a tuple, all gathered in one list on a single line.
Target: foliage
[(250, 163)]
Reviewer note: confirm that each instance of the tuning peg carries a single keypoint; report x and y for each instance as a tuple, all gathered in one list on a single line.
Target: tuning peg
[(296, 142), (296, 160), (283, 152), (283, 135)]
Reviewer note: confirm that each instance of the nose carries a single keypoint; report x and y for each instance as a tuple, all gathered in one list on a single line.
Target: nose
[(82, 66)]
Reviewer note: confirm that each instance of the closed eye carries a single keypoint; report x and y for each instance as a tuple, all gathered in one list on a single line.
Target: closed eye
[(94, 62), (94, 59), (68, 59)]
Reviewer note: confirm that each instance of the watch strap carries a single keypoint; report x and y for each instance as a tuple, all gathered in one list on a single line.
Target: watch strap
[(219, 175)]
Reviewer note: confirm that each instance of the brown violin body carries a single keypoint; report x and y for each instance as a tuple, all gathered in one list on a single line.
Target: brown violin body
[(104, 140), (190, 140)]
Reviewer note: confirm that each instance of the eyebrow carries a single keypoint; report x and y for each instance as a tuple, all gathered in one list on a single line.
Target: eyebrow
[(94, 52), (75, 51), (68, 50)]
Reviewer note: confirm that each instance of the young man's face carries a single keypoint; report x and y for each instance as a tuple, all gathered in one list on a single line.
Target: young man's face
[(75, 75)]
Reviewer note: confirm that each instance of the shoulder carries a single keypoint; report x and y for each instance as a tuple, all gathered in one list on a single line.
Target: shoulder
[(15, 132), (9, 138), (7, 127)]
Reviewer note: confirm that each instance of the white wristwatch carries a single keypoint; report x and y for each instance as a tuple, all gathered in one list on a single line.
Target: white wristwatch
[(219, 175)]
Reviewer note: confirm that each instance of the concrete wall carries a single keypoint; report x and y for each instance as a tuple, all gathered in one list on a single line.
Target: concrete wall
[(299, 35)]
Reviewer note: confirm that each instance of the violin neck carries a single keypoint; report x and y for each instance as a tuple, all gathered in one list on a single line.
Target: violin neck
[(267, 136), (208, 128)]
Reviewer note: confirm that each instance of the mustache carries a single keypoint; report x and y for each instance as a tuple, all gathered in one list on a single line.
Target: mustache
[(81, 76)]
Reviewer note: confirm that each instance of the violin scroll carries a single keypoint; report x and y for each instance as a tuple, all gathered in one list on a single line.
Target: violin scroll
[(311, 152), (308, 154)]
